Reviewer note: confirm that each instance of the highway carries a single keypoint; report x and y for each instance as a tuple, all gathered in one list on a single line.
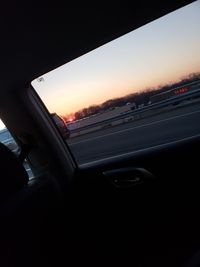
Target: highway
[(156, 130)]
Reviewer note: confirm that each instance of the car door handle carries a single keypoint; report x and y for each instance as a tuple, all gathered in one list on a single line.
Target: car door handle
[(128, 177)]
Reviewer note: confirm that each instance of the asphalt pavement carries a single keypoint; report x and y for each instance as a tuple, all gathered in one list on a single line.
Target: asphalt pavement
[(133, 136)]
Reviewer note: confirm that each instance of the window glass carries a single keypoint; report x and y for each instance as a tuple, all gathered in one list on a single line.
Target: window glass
[(139, 91)]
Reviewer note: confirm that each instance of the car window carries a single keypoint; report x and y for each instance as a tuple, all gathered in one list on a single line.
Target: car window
[(139, 91), (7, 139)]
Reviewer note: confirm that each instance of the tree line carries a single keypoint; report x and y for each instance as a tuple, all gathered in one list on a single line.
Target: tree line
[(136, 98)]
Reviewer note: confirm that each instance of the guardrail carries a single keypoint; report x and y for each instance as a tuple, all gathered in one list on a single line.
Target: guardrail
[(138, 112)]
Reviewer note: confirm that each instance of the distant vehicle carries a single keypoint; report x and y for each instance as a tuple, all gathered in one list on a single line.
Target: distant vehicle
[(140, 106), (61, 125), (174, 92)]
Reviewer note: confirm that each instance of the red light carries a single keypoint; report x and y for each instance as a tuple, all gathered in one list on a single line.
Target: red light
[(181, 90), (70, 119)]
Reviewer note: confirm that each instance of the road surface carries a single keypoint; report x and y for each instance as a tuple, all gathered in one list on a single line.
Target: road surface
[(163, 128)]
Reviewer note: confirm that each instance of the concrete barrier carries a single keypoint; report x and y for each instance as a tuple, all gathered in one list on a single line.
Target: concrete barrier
[(132, 116)]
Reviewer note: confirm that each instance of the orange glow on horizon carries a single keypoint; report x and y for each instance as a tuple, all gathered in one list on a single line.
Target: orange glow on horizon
[(159, 53), (81, 102)]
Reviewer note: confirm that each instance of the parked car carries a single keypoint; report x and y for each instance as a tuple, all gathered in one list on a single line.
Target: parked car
[(61, 125)]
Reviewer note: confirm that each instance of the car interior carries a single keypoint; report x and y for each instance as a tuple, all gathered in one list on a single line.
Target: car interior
[(139, 209)]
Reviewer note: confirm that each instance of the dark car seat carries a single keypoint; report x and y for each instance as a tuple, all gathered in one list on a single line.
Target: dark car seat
[(13, 175), (28, 214)]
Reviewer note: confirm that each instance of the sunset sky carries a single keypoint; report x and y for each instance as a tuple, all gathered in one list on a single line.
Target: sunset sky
[(158, 53)]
